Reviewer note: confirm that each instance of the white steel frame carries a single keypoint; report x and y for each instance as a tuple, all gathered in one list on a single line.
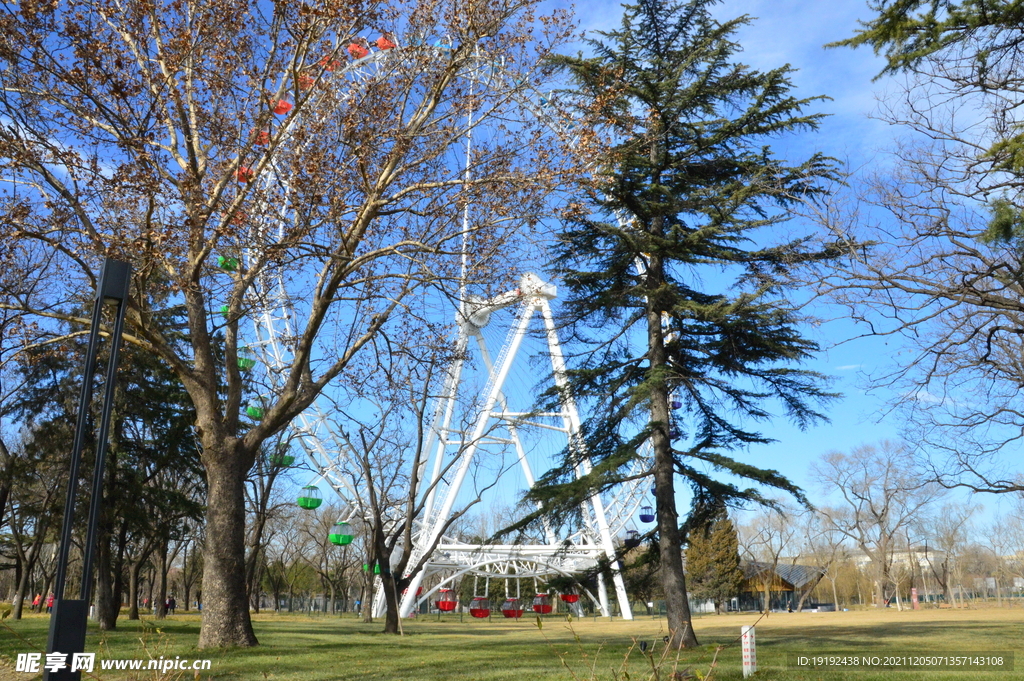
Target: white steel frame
[(584, 549)]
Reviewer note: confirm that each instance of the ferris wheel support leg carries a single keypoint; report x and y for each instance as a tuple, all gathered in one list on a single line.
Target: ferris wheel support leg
[(409, 599), (437, 438), (602, 596), (379, 602), (484, 415), (574, 427), (625, 611)]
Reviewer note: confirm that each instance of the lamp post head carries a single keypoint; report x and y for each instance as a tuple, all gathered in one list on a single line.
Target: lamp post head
[(114, 280)]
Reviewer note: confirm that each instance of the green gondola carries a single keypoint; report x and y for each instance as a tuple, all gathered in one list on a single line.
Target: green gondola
[(309, 498), (342, 535), (244, 362), (282, 459)]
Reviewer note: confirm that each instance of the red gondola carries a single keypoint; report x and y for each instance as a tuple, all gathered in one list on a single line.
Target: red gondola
[(570, 598), (445, 600), (306, 82), (512, 608), (282, 107), (245, 174), (386, 42), (542, 604), (357, 51), (329, 64), (480, 607)]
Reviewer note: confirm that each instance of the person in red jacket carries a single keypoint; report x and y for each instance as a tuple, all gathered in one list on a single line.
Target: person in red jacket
[(49, 603)]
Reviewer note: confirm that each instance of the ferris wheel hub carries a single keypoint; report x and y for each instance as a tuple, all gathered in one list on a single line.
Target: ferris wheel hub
[(477, 310)]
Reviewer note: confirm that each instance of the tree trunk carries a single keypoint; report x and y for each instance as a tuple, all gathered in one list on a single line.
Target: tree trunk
[(670, 543), (387, 583), (186, 583), (807, 592), (19, 569), (150, 583), (105, 614), (368, 599), (670, 540), (133, 590), (19, 595), (118, 571), (28, 566), (226, 620), (106, 607), (161, 591), (945, 583)]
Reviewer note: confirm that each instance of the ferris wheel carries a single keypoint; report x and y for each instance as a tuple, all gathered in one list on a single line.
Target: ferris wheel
[(501, 429), (501, 426)]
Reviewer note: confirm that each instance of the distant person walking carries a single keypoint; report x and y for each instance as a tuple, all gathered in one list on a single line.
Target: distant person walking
[(171, 605), (36, 601), (49, 603)]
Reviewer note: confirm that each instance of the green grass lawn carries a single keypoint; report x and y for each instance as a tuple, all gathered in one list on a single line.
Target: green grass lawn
[(323, 648)]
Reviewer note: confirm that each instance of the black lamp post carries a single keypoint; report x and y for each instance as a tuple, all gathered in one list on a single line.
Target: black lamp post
[(68, 620)]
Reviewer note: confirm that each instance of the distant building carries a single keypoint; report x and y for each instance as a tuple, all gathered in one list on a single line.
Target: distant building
[(787, 583)]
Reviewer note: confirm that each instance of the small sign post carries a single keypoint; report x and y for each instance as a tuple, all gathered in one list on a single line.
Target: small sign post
[(749, 650)]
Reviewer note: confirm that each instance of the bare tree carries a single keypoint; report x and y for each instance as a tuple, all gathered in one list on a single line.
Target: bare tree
[(168, 134), (33, 513), (288, 556), (334, 565), (882, 492), (264, 502), (1013, 532), (191, 569), (392, 471), (936, 258), (764, 541), (827, 547), (948, 531)]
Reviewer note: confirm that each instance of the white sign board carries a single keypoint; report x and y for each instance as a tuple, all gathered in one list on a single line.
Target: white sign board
[(749, 651)]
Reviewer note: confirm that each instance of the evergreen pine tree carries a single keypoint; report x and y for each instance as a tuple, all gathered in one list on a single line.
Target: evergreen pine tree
[(713, 561), (674, 276)]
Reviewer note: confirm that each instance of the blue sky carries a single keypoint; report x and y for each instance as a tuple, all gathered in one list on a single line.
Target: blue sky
[(794, 32)]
